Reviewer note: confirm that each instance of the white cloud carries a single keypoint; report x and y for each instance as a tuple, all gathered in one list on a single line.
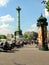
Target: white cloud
[(46, 13), (4, 26), (5, 29), (46, 0), (6, 18), (33, 28), (3, 2)]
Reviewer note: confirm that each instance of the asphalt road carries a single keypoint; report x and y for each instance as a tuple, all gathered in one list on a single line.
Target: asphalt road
[(28, 55)]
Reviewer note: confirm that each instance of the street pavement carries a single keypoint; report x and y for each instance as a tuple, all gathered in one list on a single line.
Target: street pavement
[(27, 55)]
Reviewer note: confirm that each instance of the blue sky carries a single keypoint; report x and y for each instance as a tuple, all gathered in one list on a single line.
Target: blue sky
[(30, 12)]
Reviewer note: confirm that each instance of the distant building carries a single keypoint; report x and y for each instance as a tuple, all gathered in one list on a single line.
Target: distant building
[(32, 33), (9, 37)]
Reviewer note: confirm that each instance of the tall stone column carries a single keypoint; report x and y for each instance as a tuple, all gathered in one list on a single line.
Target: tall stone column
[(42, 33), (18, 32), (18, 17)]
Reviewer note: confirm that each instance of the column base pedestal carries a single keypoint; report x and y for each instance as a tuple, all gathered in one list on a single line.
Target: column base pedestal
[(19, 34)]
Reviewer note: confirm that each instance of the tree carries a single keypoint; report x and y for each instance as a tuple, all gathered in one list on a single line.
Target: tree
[(3, 37), (31, 36), (47, 5), (25, 36)]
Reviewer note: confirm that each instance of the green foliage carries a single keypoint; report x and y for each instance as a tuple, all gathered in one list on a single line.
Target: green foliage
[(31, 36), (3, 37), (35, 36), (47, 5), (25, 36)]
